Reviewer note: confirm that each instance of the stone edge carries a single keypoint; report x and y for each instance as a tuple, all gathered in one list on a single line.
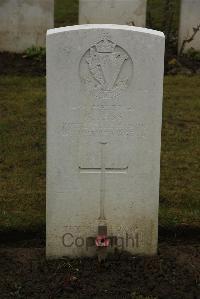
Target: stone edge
[(105, 26)]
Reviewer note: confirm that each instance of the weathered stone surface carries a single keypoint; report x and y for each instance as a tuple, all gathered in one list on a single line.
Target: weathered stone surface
[(125, 12), (189, 19), (23, 23), (104, 110)]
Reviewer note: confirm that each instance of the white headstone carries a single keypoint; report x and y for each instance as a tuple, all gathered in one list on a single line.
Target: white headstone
[(104, 110), (189, 19), (124, 12), (23, 23)]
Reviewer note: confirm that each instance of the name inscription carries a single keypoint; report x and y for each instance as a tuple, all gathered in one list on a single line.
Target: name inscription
[(72, 128)]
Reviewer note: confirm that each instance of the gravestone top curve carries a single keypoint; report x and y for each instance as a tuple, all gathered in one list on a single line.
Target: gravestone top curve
[(105, 26)]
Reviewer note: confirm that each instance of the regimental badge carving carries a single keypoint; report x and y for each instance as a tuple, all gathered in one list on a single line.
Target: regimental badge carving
[(106, 69)]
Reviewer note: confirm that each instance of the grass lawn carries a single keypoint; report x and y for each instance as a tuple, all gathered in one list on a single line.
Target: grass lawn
[(180, 177), (22, 167), (22, 163)]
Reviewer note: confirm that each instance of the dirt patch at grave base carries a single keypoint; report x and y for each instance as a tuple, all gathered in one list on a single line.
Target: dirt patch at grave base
[(173, 273), (20, 64)]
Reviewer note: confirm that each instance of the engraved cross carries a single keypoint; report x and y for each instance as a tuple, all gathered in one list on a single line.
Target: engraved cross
[(103, 170)]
